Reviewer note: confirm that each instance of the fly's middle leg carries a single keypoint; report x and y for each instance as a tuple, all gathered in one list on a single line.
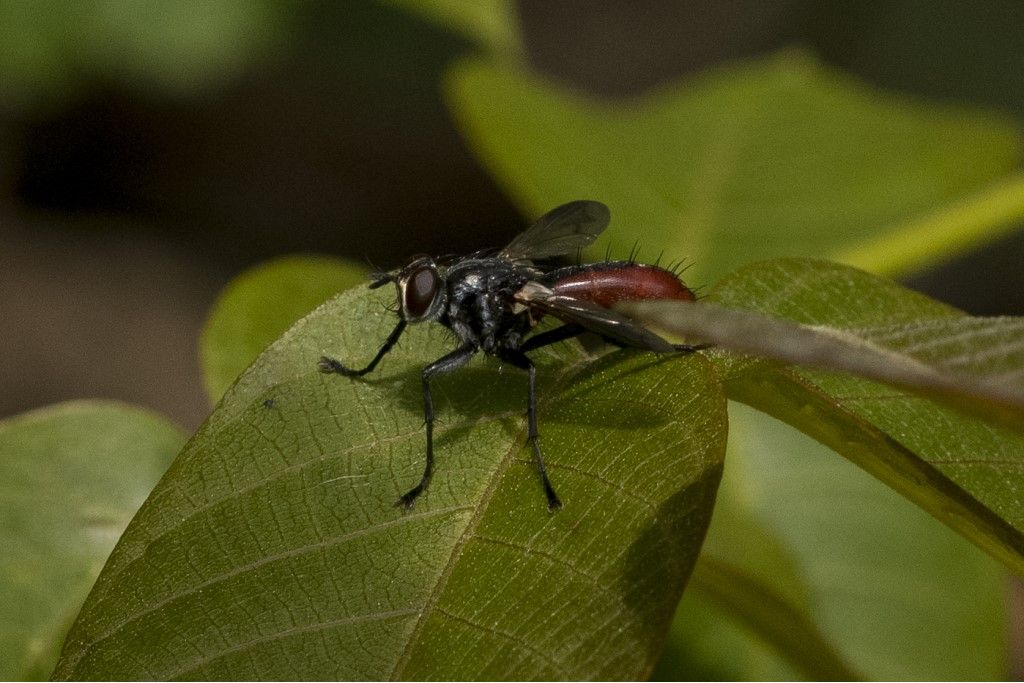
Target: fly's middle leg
[(520, 360)]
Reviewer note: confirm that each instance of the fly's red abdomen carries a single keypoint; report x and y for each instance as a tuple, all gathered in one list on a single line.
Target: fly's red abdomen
[(608, 284)]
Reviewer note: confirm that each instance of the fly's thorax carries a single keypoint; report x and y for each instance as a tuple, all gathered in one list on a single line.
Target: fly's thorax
[(481, 309)]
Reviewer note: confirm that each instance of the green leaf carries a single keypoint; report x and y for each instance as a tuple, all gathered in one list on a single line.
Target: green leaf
[(49, 45), (879, 583), (973, 364), (748, 585), (779, 157), (272, 548), (492, 24), (963, 471), (71, 476), (955, 228), (899, 595), (787, 626), (259, 305)]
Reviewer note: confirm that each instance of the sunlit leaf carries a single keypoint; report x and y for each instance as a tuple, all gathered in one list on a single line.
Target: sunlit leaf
[(272, 549), (259, 305), (779, 157), (71, 476)]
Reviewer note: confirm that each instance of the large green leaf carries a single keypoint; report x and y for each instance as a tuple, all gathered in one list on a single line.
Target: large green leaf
[(963, 470), (747, 613), (879, 582), (894, 591), (780, 157), (271, 548), (259, 305), (71, 476)]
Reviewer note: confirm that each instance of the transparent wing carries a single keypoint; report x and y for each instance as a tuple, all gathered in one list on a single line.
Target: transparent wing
[(598, 319), (563, 230)]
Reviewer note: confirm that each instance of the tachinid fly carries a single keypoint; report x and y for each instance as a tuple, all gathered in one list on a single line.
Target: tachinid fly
[(492, 303)]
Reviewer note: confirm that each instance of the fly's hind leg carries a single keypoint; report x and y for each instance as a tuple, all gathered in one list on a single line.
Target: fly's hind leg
[(549, 337), (448, 363), (520, 360)]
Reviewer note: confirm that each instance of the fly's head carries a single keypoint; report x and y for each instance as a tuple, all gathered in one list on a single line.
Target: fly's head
[(421, 290)]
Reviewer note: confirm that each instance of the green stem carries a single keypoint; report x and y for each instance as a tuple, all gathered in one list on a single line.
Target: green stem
[(930, 239)]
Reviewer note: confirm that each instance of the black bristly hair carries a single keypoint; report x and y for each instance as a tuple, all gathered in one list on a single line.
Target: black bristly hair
[(634, 252)]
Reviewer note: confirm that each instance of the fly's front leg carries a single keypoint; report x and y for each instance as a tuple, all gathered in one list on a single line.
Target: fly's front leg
[(329, 365), (443, 365), (520, 360)]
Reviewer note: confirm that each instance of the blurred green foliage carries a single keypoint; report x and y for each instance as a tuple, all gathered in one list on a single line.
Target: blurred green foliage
[(492, 24), (260, 305), (71, 476), (50, 48), (771, 158)]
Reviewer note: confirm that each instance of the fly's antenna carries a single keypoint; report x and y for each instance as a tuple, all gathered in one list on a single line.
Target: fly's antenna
[(378, 276), (380, 279)]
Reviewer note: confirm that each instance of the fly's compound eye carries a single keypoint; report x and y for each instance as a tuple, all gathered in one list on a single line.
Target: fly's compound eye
[(419, 292)]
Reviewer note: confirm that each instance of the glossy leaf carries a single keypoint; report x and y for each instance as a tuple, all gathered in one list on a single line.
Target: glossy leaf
[(272, 548), (259, 305), (71, 476), (779, 157), (965, 472)]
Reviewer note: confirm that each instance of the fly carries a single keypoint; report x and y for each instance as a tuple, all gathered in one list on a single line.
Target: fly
[(493, 302)]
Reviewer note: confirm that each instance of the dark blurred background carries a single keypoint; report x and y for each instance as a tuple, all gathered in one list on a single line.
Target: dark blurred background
[(126, 203)]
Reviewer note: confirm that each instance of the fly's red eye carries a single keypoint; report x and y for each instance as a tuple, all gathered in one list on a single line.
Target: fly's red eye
[(420, 290)]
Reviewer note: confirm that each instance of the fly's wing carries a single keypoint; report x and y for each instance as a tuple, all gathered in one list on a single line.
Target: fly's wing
[(563, 230), (597, 319)]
